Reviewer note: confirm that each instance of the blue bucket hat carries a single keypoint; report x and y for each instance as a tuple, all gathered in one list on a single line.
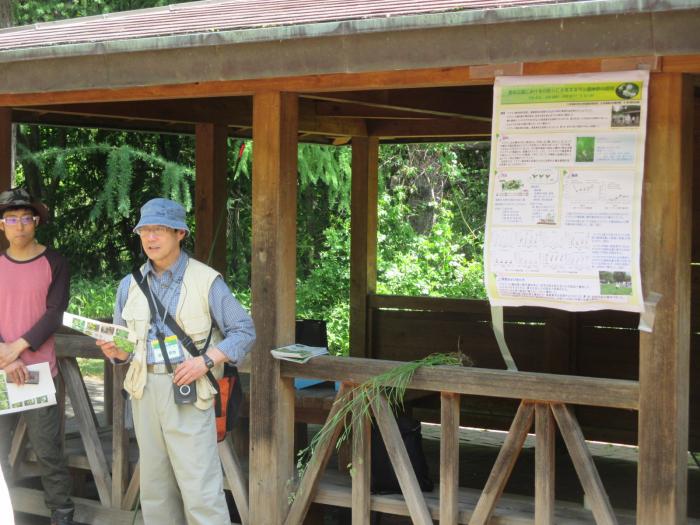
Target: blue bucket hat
[(163, 212)]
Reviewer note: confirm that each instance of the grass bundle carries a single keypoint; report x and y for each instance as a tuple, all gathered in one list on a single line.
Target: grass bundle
[(355, 405)]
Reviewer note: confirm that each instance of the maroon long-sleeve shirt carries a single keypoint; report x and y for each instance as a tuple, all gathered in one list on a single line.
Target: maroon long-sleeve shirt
[(33, 296)]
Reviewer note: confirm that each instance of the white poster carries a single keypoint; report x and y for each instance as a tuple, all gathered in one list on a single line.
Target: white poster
[(15, 398), (565, 191)]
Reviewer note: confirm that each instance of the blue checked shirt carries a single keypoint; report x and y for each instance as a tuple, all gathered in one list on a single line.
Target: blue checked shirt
[(232, 320)]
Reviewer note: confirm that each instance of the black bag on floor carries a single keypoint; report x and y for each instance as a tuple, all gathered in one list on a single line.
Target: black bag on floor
[(383, 477)]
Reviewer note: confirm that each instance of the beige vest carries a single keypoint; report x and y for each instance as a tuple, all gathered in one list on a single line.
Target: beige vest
[(192, 314)]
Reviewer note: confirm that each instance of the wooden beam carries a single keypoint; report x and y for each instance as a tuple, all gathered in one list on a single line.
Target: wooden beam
[(403, 469), (613, 393), (544, 465), (418, 78), (429, 77), (502, 468), (210, 196), (583, 463), (216, 110), (28, 116), (273, 296), (88, 432), (449, 458), (5, 158), (455, 103), (363, 239), (31, 501), (664, 354), (131, 497), (236, 478), (337, 109), (306, 490), (427, 128)]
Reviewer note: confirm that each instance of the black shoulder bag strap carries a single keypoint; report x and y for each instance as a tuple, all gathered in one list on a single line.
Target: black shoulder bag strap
[(185, 339)]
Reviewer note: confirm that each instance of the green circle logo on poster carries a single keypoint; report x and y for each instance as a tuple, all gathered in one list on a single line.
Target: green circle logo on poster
[(627, 90)]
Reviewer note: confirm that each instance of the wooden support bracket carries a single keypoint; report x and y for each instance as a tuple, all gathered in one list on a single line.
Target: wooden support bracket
[(88, 430), (417, 507)]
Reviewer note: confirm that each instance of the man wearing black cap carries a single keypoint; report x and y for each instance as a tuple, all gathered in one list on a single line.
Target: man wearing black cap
[(34, 281)]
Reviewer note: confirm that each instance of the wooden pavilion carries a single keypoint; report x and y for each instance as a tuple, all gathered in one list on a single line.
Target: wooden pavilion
[(360, 72)]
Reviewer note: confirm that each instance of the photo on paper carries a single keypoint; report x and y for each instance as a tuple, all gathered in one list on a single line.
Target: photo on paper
[(29, 402), (615, 283), (78, 324), (511, 185), (626, 116), (585, 149), (107, 330), (42, 399), (92, 326), (4, 400)]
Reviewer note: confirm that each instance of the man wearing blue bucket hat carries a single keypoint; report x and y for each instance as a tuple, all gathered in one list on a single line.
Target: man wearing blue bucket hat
[(172, 397)]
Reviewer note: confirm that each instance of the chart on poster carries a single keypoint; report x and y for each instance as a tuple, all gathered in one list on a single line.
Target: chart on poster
[(565, 188)]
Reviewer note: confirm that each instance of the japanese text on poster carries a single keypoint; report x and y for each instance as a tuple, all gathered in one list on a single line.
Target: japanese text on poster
[(564, 205)]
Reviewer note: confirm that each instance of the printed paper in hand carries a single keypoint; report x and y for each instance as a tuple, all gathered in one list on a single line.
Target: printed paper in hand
[(121, 335), (15, 398)]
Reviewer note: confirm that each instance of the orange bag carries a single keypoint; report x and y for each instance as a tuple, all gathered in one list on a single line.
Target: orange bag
[(228, 401)]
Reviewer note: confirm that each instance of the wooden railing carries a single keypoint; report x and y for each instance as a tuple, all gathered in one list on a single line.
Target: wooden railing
[(544, 401)]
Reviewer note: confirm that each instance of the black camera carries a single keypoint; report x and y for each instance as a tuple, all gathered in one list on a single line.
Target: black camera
[(185, 394)]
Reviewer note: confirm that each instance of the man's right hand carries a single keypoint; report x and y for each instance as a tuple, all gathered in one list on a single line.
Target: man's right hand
[(112, 351), (17, 372)]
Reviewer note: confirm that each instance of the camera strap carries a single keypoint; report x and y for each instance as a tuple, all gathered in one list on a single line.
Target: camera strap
[(185, 339)]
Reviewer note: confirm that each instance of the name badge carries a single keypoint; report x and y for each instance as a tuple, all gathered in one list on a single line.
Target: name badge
[(171, 347)]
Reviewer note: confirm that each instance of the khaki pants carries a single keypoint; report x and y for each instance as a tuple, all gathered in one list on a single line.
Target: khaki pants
[(181, 478)]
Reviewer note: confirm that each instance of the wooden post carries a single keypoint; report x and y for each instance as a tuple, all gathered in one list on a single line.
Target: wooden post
[(664, 354), (275, 117), (120, 435), (5, 157), (449, 458), (361, 479), (210, 195), (544, 464), (363, 241)]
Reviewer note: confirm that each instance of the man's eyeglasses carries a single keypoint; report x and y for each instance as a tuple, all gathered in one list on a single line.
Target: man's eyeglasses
[(156, 231), (26, 220)]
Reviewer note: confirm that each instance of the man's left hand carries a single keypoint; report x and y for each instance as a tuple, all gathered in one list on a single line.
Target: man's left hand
[(9, 352), (189, 371)]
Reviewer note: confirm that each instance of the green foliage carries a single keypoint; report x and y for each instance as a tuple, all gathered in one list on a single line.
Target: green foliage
[(93, 298), (33, 11)]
